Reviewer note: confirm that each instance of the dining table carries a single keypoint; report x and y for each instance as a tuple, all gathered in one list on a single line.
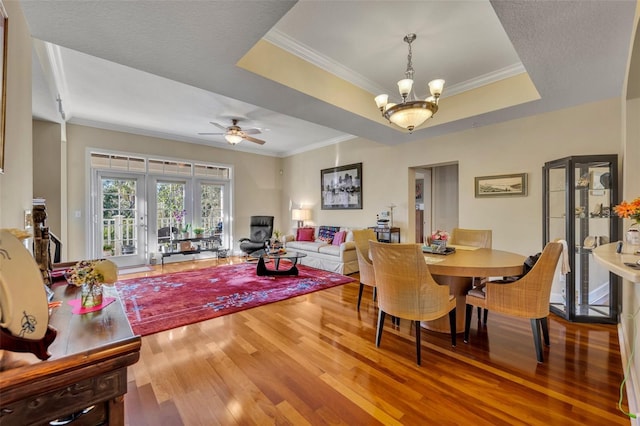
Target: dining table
[(458, 270)]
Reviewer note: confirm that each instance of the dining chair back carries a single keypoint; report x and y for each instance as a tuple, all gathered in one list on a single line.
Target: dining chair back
[(361, 237), (527, 297), (474, 238), (407, 290), (471, 237)]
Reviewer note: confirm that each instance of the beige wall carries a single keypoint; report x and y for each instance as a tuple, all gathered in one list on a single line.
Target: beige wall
[(16, 182), (257, 182), (516, 146), (47, 171)]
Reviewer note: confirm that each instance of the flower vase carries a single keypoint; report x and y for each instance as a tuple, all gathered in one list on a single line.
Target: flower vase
[(633, 235), (439, 246), (91, 295)]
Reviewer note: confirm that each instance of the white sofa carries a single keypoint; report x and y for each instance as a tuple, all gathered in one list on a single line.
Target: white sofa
[(322, 255)]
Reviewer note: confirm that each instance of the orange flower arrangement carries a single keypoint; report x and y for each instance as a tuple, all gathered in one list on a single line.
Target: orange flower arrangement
[(630, 210)]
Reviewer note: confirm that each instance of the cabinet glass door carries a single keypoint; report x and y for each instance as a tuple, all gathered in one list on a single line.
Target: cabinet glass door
[(579, 193)]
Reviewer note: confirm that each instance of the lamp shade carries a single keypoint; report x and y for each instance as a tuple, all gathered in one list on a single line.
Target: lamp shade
[(300, 214)]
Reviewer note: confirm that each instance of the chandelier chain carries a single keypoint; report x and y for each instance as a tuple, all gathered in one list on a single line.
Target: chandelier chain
[(409, 72)]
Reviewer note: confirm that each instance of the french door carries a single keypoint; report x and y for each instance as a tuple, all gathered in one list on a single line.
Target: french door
[(119, 228)]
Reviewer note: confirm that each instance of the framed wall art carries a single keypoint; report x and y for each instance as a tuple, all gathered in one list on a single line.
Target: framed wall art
[(4, 32), (341, 187), (501, 185)]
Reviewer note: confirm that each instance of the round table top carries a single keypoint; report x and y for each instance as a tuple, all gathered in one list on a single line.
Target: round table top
[(480, 262)]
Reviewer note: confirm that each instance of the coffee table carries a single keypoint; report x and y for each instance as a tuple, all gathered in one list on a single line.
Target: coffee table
[(261, 269)]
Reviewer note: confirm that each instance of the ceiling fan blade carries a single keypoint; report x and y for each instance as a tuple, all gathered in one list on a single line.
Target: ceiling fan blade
[(254, 140), (209, 134), (220, 126), (251, 131)]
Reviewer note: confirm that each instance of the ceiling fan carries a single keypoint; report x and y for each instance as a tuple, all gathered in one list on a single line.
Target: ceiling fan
[(234, 134)]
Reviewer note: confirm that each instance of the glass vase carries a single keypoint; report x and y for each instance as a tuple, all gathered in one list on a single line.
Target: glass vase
[(91, 295)]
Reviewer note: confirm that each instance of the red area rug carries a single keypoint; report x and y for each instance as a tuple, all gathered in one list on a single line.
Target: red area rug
[(159, 303)]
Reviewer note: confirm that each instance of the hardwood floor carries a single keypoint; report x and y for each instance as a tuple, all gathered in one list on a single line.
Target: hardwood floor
[(312, 360)]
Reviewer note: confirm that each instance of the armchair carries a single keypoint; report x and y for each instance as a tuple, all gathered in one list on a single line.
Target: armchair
[(527, 297), (365, 264), (407, 290), (261, 230)]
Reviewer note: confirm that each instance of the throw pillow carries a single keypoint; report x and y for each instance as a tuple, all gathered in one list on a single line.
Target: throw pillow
[(339, 237), (325, 233), (304, 234)]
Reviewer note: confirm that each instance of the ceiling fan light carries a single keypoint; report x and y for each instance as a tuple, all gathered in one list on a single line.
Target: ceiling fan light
[(233, 139), (436, 87)]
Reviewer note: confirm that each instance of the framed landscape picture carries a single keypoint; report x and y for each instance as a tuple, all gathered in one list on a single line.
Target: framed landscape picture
[(4, 32), (501, 185), (341, 187)]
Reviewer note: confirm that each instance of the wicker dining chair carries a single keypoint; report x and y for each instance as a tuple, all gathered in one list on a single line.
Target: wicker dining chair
[(361, 237), (407, 290), (527, 297), (474, 238)]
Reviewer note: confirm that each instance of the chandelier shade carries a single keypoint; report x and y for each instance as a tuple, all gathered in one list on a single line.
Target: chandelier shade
[(411, 113)]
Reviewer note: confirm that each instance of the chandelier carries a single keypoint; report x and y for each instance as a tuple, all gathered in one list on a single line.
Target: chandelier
[(410, 113)]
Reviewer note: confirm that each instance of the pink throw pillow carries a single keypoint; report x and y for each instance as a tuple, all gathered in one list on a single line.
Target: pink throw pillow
[(305, 234), (339, 237)]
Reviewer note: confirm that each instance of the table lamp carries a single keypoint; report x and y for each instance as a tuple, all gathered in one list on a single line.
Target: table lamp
[(300, 215)]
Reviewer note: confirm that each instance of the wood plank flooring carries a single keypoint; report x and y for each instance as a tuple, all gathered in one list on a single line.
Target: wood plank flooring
[(312, 360)]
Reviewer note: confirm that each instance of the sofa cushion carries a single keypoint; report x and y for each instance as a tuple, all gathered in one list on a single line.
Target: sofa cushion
[(339, 237), (305, 234), (311, 246), (330, 249)]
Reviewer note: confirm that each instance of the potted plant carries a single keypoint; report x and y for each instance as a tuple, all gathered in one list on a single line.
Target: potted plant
[(107, 250), (184, 229), (198, 232)]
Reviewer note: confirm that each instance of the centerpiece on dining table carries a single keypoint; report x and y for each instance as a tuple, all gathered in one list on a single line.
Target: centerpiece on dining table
[(91, 275), (438, 241)]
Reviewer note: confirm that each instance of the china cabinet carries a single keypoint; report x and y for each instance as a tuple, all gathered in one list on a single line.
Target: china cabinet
[(579, 193)]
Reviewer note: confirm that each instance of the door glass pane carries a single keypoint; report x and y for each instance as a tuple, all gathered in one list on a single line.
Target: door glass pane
[(556, 227), (171, 209), (119, 213), (211, 210), (592, 216)]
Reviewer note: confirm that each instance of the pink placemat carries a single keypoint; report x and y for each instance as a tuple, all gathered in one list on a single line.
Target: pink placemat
[(78, 309)]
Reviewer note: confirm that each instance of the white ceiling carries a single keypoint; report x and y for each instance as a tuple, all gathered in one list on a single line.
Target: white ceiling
[(168, 68)]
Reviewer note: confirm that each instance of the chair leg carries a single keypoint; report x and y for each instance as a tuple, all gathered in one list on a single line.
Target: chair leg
[(381, 315), (360, 295), (467, 322), (545, 330), (418, 344), (537, 341), (486, 314), (452, 324)]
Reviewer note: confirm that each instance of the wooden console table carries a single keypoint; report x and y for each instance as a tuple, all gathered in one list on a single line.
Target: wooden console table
[(386, 235), (86, 375)]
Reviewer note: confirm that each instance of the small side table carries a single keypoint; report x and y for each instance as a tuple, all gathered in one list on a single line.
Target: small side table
[(386, 235)]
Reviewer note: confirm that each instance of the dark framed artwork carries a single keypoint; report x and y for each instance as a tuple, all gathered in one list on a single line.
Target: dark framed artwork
[(501, 185), (4, 32), (341, 187)]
